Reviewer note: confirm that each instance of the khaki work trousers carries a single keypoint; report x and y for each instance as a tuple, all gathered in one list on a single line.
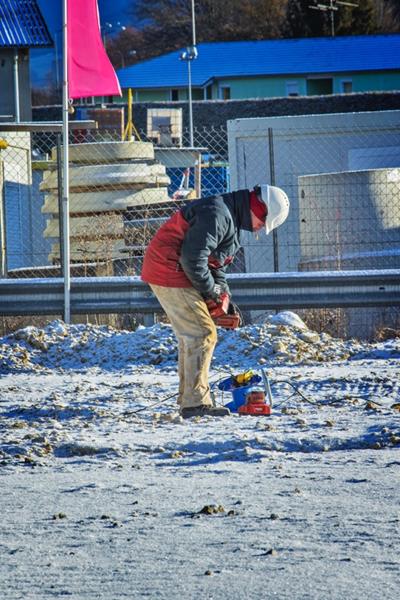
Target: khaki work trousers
[(197, 337)]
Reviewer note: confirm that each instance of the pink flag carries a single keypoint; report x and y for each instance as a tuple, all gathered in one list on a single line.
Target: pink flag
[(90, 72)]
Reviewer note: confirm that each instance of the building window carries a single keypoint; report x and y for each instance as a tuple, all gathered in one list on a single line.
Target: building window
[(208, 93), (319, 86), (225, 92), (88, 100), (346, 86), (197, 94), (292, 88), (174, 95)]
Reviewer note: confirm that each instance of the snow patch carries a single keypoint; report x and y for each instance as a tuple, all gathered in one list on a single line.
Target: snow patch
[(289, 319)]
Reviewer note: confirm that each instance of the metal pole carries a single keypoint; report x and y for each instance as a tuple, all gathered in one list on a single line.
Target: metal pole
[(3, 254), (129, 129), (267, 386), (190, 104), (193, 26), (16, 87), (190, 78), (65, 194), (60, 201), (272, 179), (57, 62)]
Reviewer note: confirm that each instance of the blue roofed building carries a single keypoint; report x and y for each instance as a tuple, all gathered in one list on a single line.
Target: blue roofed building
[(270, 68), (22, 27)]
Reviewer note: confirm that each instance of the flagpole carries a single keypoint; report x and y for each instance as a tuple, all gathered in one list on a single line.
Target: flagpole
[(65, 162)]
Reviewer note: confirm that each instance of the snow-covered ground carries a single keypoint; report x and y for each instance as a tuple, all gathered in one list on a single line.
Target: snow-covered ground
[(106, 494)]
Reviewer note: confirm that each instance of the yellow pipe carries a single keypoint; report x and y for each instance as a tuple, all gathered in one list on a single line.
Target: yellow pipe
[(129, 125)]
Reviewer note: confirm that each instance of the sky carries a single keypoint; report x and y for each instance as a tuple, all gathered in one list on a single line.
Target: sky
[(43, 61)]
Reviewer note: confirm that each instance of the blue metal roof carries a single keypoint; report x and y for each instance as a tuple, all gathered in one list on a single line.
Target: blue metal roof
[(22, 25), (267, 57)]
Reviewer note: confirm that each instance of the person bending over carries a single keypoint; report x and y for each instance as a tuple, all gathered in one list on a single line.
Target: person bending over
[(185, 263)]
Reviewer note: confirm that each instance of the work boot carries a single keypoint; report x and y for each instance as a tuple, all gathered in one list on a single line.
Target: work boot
[(204, 410)]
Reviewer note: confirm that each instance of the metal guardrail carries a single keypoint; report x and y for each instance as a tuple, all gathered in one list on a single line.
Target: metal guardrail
[(262, 291)]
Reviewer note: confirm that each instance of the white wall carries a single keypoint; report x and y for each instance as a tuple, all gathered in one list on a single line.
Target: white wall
[(304, 145)]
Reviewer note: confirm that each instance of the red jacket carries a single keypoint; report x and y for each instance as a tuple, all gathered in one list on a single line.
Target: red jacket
[(193, 248), (161, 264)]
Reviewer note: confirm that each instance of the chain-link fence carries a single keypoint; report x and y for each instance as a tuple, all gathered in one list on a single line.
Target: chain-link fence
[(342, 175), (120, 193), (341, 172)]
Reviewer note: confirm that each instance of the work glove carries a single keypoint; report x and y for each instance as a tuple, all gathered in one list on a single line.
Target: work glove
[(216, 293), (218, 305)]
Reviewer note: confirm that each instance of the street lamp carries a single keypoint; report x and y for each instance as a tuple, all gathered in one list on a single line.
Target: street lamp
[(188, 55), (111, 28)]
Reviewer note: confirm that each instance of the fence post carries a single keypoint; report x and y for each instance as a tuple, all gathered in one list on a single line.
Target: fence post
[(3, 255), (65, 192), (60, 203), (272, 179)]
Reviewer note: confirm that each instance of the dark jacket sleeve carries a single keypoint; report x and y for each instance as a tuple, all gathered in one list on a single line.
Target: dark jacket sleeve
[(219, 277), (203, 236)]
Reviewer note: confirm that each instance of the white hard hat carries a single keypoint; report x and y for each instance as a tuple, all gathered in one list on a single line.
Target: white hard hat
[(277, 204)]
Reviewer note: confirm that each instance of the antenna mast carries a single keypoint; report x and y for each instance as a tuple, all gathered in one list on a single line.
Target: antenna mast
[(331, 7)]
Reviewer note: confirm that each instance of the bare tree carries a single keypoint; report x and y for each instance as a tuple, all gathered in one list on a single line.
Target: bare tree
[(168, 23), (48, 94), (368, 17), (126, 48), (388, 16)]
